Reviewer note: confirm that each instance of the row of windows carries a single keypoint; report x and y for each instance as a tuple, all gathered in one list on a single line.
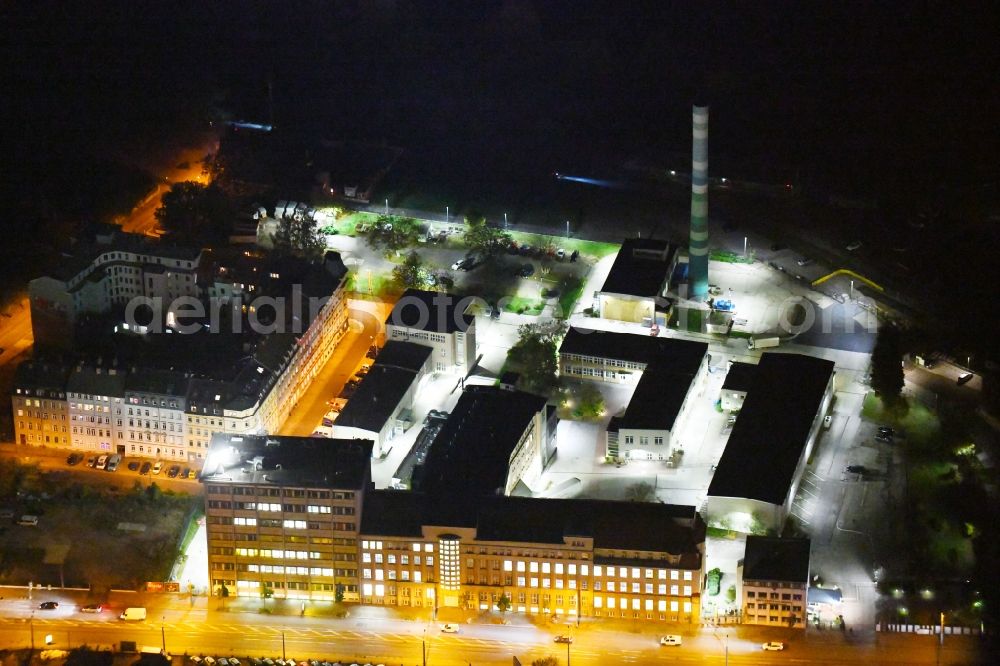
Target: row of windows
[(661, 606), (644, 440), (389, 545), (281, 492), (614, 362), (274, 507), (785, 596)]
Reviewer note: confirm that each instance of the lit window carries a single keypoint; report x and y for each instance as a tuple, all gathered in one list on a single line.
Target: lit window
[(598, 602), (417, 576), (520, 566), (508, 565), (674, 606), (687, 590), (649, 604), (428, 548), (611, 602), (546, 568), (622, 572), (416, 547), (687, 575), (674, 574), (674, 590), (661, 606), (597, 570), (687, 606), (380, 590), (662, 574), (366, 589), (635, 573), (533, 567)]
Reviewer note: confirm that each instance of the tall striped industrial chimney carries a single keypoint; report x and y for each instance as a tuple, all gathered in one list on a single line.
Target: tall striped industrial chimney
[(698, 246)]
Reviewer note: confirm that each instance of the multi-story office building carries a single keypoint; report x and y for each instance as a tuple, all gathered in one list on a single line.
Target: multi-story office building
[(560, 557), (40, 410), (773, 581), (439, 321), (283, 515), (95, 396), (666, 373)]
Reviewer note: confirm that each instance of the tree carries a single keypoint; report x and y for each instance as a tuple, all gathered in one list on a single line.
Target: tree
[(266, 592), (486, 240), (298, 237), (583, 401), (714, 581), (640, 492), (338, 593), (196, 213), (503, 603), (393, 233), (887, 365), (731, 594), (545, 661), (534, 355), (410, 273)]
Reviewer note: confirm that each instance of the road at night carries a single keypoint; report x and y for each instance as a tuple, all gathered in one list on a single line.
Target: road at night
[(220, 633)]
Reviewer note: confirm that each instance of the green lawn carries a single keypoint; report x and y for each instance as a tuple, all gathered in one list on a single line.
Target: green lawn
[(521, 305), (918, 422), (378, 285), (729, 257), (587, 248), (571, 291)]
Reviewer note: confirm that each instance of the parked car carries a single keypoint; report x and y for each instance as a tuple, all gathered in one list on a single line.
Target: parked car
[(671, 639), (6, 514), (449, 628), (91, 461), (133, 466), (564, 639), (853, 245), (74, 458), (145, 468), (560, 254), (827, 421), (458, 265), (157, 467), (855, 469), (773, 646), (91, 608), (174, 471), (192, 474), (49, 605), (886, 430), (525, 250), (527, 270)]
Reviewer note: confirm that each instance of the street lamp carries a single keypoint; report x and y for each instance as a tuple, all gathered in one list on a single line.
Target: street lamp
[(163, 634), (387, 207), (567, 228), (744, 246), (447, 214), (31, 628), (505, 220)]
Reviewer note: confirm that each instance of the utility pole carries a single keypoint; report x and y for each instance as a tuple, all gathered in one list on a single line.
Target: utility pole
[(447, 214), (567, 652), (163, 634), (31, 628), (282, 646)]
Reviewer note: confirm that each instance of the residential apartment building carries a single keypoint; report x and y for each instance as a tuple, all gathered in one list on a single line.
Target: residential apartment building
[(106, 270), (40, 409), (667, 373), (95, 397), (773, 582), (283, 515), (153, 418), (439, 321)]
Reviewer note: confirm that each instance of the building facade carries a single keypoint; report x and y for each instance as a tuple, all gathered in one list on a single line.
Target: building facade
[(40, 409), (283, 515), (153, 418), (773, 582), (439, 321), (95, 398)]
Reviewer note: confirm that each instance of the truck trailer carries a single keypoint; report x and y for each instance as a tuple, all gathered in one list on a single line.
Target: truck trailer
[(763, 343)]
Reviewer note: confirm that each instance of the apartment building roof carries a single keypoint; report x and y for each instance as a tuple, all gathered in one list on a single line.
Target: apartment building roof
[(376, 398), (404, 355), (774, 558), (641, 268), (158, 382), (95, 380), (431, 311), (41, 375), (394, 513), (307, 462), (773, 428), (469, 457), (740, 377)]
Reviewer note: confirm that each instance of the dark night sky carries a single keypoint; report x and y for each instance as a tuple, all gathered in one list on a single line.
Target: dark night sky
[(896, 100)]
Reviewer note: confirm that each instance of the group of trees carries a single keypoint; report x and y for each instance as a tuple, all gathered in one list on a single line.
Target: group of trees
[(196, 214), (483, 239), (535, 355), (298, 237), (887, 366), (410, 274), (392, 233)]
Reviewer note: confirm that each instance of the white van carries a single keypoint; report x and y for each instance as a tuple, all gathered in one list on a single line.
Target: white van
[(671, 639), (28, 520), (102, 462), (133, 614)]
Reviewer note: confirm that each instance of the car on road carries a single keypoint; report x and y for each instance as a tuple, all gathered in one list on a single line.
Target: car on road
[(133, 466), (671, 639), (827, 421), (964, 378), (855, 469), (773, 646), (458, 265), (564, 639), (174, 471), (73, 459), (853, 245), (91, 608), (49, 605), (449, 628), (145, 468), (804, 261), (157, 467)]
